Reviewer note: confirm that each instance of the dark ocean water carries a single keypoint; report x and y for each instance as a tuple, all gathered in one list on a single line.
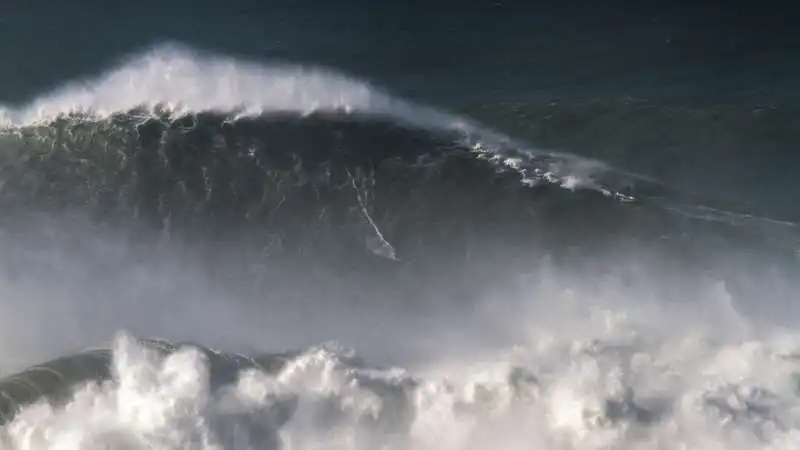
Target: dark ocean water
[(570, 225), (501, 51)]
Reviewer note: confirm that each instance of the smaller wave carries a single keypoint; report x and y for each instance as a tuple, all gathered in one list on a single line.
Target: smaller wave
[(55, 381)]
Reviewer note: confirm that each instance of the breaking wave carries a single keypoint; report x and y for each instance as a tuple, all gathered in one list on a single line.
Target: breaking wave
[(534, 298)]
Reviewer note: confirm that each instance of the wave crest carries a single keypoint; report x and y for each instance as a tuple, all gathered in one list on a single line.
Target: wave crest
[(182, 80), (187, 80)]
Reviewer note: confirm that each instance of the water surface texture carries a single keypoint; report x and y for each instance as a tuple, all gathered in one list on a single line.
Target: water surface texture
[(353, 225)]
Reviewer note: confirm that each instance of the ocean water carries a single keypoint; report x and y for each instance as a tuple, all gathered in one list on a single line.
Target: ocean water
[(401, 234)]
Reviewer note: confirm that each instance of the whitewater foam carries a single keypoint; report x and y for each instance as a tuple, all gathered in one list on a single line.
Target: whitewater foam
[(567, 362), (619, 386), (184, 80)]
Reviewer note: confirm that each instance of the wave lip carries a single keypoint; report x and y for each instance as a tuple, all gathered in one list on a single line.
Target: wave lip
[(187, 80)]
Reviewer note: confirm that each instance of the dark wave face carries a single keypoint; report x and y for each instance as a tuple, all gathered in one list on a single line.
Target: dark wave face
[(338, 177), (354, 196), (327, 186), (335, 184), (259, 209)]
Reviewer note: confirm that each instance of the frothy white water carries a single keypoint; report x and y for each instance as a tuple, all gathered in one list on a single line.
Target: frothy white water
[(618, 386), (563, 363), (186, 80)]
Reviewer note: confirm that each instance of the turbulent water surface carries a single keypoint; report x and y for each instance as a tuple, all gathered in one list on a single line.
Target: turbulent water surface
[(374, 273)]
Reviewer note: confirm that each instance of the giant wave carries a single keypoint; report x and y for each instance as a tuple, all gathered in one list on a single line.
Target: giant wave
[(544, 298)]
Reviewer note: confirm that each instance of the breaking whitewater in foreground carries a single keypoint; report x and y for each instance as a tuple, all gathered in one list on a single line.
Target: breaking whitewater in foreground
[(534, 299), (619, 392)]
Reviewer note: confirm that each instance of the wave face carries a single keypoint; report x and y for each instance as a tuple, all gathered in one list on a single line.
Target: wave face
[(530, 297), (725, 150)]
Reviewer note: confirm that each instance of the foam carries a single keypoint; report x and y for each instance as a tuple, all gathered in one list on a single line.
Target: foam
[(188, 80)]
